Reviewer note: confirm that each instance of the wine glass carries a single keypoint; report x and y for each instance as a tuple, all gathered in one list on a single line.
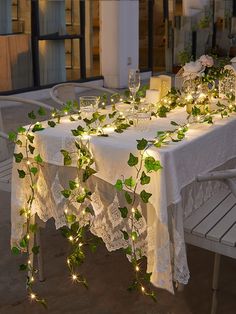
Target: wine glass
[(89, 104), (134, 82)]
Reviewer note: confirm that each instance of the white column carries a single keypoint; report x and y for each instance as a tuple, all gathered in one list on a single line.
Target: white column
[(119, 40)]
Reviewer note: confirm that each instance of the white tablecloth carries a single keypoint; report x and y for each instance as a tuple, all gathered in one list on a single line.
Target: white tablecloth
[(205, 148)]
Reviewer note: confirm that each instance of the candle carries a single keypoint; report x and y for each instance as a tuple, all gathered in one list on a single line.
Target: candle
[(152, 96), (155, 83), (161, 83)]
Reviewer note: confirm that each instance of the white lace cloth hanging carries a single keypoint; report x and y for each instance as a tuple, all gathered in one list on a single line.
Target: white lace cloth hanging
[(162, 238)]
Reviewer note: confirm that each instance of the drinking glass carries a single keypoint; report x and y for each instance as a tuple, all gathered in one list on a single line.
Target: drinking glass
[(134, 82), (89, 104)]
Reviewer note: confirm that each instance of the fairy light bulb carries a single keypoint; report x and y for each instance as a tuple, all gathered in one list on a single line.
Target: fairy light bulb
[(66, 112), (133, 210), (33, 296), (68, 261), (32, 279), (66, 211), (53, 115), (71, 238), (121, 99), (80, 244), (188, 125), (28, 236), (198, 118), (29, 262), (28, 162), (137, 268), (74, 277), (143, 289)]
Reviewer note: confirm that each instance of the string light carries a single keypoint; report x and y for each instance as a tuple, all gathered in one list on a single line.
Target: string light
[(32, 279), (28, 162), (66, 112), (143, 289), (133, 210), (188, 125), (28, 236), (33, 296), (198, 118), (29, 261), (71, 238), (80, 244), (74, 277), (53, 115), (137, 268), (121, 99), (66, 211)]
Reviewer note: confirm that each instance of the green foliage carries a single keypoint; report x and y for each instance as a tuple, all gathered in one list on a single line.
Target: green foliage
[(133, 160)]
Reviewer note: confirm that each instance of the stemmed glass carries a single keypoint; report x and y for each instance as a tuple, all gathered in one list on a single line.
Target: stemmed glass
[(134, 82)]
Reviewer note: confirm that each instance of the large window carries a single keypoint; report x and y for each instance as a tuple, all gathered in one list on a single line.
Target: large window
[(44, 42)]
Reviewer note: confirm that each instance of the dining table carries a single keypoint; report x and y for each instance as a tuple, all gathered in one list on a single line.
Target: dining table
[(175, 191)]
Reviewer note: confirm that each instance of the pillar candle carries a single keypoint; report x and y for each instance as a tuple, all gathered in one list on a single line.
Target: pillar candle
[(152, 96)]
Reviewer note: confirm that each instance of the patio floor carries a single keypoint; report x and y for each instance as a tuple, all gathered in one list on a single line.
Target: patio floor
[(108, 275)]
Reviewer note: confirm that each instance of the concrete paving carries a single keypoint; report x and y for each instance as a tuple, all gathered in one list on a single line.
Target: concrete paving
[(108, 275)]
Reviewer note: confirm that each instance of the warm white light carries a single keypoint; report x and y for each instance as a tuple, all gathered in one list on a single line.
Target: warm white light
[(137, 268), (28, 162), (68, 261), (188, 125), (71, 238), (33, 296), (66, 211), (121, 99), (53, 115), (133, 210), (80, 244), (230, 106), (198, 118), (29, 262), (32, 279), (180, 129), (74, 277), (28, 236), (143, 289), (103, 103), (77, 185), (189, 97), (66, 112)]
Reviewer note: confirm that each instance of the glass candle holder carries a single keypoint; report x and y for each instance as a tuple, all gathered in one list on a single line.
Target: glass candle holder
[(89, 104)]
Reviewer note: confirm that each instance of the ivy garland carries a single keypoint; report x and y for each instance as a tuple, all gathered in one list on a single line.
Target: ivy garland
[(78, 192)]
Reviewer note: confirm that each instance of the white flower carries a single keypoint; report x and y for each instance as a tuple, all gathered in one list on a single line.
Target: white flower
[(206, 61), (193, 68)]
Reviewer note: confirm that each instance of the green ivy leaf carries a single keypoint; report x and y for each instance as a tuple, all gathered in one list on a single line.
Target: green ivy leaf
[(144, 179), (130, 182), (35, 249), (70, 218), (34, 170), (21, 173), (123, 211), (38, 159), (137, 215), (23, 267), (142, 144), (151, 164), (174, 123), (66, 193), (119, 185), (128, 250), (88, 172), (52, 124), (23, 243), (30, 138), (15, 250), (31, 149), (67, 157), (89, 210), (134, 235), (133, 160), (33, 228), (32, 115), (37, 127), (12, 136), (145, 196), (125, 234), (18, 157), (128, 198), (72, 185), (21, 130), (41, 111)]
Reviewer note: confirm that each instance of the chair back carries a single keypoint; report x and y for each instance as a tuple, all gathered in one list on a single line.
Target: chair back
[(66, 92)]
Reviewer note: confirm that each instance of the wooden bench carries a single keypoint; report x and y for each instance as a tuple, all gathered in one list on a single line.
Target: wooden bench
[(213, 225)]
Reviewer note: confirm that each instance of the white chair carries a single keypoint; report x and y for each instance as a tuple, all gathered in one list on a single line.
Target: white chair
[(213, 225), (6, 159), (64, 92)]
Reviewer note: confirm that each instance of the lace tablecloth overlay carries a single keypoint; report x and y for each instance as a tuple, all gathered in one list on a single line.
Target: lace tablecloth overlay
[(175, 194)]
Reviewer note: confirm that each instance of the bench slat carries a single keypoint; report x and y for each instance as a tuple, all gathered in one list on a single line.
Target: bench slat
[(198, 215), (212, 219), (223, 226), (230, 237)]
